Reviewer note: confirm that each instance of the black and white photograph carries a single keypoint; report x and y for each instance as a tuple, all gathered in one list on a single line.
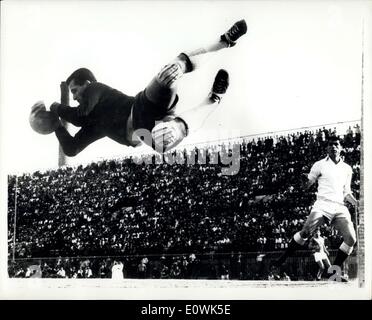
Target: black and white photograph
[(185, 150)]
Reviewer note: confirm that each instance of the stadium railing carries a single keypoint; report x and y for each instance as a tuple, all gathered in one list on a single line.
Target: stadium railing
[(228, 266)]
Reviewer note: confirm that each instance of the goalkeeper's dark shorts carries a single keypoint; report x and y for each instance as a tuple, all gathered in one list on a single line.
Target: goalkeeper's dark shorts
[(146, 112)]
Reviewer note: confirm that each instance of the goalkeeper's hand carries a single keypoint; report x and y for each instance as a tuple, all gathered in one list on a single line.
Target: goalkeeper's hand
[(167, 135)]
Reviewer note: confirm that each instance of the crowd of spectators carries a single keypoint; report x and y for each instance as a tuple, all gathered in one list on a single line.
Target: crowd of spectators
[(120, 207), (161, 267)]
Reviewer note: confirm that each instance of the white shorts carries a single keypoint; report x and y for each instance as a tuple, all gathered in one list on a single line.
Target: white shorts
[(319, 256), (331, 210)]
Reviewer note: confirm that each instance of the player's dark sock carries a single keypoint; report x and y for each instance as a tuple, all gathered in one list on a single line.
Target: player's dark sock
[(343, 252), (340, 258), (292, 247), (187, 65)]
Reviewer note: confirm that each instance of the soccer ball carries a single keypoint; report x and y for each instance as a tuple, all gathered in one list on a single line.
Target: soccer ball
[(41, 120)]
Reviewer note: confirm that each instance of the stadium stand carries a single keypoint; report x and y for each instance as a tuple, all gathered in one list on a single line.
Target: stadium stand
[(120, 208)]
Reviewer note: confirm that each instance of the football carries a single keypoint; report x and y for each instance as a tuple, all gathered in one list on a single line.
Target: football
[(41, 120)]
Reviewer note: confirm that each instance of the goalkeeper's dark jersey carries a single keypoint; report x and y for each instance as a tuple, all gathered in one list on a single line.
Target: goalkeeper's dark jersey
[(109, 112), (108, 117)]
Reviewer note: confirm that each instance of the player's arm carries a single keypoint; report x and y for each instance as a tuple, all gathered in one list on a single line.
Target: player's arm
[(325, 249), (67, 113), (306, 183), (76, 115), (64, 111), (348, 195), (307, 180), (71, 146), (352, 200)]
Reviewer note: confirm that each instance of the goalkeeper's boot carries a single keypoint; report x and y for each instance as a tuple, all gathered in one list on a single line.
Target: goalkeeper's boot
[(220, 85), (234, 33)]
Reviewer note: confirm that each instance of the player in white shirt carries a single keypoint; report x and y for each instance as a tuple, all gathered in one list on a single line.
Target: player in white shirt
[(320, 253), (117, 271), (334, 178)]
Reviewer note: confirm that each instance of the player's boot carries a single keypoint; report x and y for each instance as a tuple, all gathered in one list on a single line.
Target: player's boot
[(234, 33), (220, 85)]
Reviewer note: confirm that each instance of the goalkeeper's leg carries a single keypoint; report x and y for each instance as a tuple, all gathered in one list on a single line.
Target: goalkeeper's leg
[(159, 99), (169, 134)]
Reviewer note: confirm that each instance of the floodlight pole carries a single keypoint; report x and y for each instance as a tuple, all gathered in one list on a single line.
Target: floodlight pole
[(65, 101)]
